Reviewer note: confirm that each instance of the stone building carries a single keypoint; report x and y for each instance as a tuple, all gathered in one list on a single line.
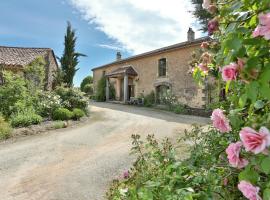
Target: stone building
[(16, 58), (158, 70)]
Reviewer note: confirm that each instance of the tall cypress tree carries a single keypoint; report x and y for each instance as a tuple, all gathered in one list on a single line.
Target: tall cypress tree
[(201, 14), (69, 60)]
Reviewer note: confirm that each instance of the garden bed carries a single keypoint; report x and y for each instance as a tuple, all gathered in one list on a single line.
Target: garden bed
[(45, 126)]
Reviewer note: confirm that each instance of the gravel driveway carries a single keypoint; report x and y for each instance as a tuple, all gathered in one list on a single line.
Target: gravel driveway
[(79, 163)]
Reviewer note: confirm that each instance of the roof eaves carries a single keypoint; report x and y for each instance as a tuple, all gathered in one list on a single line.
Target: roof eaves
[(160, 50)]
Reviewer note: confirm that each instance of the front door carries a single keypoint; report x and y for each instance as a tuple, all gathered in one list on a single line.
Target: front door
[(130, 91)]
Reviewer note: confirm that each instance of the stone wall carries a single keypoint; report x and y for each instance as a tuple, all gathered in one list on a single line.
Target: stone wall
[(182, 83)]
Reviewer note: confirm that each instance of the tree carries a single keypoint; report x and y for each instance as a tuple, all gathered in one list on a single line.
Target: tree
[(201, 14), (85, 81), (70, 58)]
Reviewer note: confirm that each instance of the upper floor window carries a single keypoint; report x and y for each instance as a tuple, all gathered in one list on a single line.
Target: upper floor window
[(162, 67)]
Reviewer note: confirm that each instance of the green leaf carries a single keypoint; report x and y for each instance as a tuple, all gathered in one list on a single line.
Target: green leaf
[(266, 194), (252, 91), (259, 104), (249, 175), (234, 43), (265, 75), (252, 62), (227, 86), (242, 100), (265, 165), (265, 91)]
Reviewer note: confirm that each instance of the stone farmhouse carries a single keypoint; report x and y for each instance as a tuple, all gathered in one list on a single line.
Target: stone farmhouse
[(16, 58), (162, 70)]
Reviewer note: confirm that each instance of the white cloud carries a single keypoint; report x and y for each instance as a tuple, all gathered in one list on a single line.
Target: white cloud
[(139, 25), (109, 46)]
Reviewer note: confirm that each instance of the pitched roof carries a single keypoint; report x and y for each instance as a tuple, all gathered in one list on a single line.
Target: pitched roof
[(123, 70), (21, 56), (157, 51)]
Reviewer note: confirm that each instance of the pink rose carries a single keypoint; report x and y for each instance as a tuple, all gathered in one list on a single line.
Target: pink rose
[(213, 26), (204, 67), (212, 9), (229, 72), (253, 141), (220, 122), (264, 19), (249, 191), (256, 32), (233, 155), (206, 4), (263, 29), (204, 45), (126, 174)]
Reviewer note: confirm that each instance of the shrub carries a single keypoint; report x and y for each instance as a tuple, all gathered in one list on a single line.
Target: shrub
[(59, 124), (88, 89), (25, 118), (179, 108), (169, 99), (101, 90), (48, 102), (13, 91), (72, 98), (149, 99), (77, 114), (5, 129), (62, 114), (86, 81)]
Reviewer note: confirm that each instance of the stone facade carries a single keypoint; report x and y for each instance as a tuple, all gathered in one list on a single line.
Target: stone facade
[(147, 80)]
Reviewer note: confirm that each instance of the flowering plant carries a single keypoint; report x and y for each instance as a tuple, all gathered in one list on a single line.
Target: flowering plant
[(242, 29)]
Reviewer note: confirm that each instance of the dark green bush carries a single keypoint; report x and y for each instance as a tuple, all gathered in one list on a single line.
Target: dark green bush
[(25, 118), (88, 89), (101, 90), (179, 109), (5, 129), (150, 99), (77, 114), (62, 114), (86, 81)]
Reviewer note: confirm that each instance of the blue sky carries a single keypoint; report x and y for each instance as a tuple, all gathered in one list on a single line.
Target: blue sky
[(102, 26)]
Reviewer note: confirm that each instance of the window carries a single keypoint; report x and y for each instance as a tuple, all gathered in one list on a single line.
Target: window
[(162, 67), (103, 73)]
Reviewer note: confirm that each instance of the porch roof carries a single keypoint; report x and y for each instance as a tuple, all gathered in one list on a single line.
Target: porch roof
[(127, 70)]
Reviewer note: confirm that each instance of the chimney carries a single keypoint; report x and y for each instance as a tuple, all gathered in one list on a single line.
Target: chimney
[(190, 35), (118, 56)]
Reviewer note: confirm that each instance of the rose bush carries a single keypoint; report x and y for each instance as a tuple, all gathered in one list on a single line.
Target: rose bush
[(230, 160)]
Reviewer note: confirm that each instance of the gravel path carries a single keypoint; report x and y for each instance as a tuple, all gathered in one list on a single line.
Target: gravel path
[(79, 163)]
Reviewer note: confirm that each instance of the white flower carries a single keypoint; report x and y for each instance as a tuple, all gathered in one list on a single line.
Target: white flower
[(123, 191)]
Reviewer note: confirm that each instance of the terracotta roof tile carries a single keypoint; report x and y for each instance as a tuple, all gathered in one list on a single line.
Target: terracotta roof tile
[(20, 56)]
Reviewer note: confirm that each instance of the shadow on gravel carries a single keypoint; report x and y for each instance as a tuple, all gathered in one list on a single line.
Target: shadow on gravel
[(153, 113)]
